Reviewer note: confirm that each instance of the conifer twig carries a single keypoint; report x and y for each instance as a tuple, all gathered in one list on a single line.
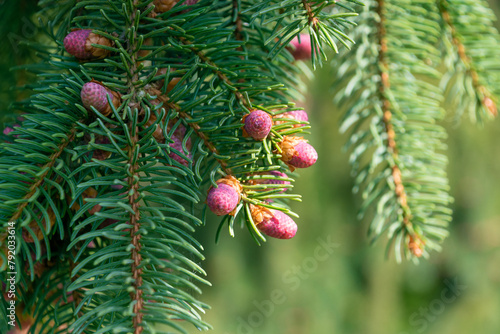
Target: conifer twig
[(313, 20), (60, 149), (387, 116), (194, 126), (133, 184)]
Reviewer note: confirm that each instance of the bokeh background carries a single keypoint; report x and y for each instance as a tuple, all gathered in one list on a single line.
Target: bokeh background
[(328, 279)]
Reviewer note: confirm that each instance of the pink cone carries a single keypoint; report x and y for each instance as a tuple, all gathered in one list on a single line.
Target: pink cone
[(177, 145), (302, 50), (270, 181), (280, 226), (75, 41), (94, 95), (223, 199), (258, 124), (305, 155)]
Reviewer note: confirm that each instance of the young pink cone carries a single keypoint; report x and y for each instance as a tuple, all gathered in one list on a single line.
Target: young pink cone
[(258, 124), (78, 43), (273, 223), (301, 50), (95, 95), (224, 198), (299, 115), (297, 153)]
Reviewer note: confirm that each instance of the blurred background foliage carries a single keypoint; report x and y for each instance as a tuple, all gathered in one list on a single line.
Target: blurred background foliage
[(293, 287)]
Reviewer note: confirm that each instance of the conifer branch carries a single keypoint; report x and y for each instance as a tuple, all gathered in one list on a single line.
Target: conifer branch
[(481, 90), (395, 141)]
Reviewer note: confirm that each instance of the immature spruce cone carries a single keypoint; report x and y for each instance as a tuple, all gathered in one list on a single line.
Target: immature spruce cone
[(273, 181), (94, 95), (79, 44), (298, 115), (302, 50), (273, 223), (297, 153), (224, 198), (177, 145), (257, 124)]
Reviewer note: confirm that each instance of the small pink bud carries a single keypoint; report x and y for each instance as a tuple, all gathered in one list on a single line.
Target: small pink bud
[(7, 130), (298, 115), (301, 50), (95, 95), (273, 223), (297, 153), (306, 156), (258, 124), (224, 198)]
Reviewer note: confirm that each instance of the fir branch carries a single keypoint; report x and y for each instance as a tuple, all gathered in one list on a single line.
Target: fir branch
[(482, 93), (395, 141)]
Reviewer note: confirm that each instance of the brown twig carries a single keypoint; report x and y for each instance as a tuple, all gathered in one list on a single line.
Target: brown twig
[(387, 116), (238, 23), (133, 195), (311, 17)]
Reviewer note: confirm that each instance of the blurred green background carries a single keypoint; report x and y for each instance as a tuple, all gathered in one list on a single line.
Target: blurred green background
[(328, 279)]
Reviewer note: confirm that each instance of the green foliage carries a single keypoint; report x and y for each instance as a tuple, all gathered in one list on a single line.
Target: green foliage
[(104, 209)]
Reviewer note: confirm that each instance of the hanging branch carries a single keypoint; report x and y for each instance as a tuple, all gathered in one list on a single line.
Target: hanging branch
[(394, 140)]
